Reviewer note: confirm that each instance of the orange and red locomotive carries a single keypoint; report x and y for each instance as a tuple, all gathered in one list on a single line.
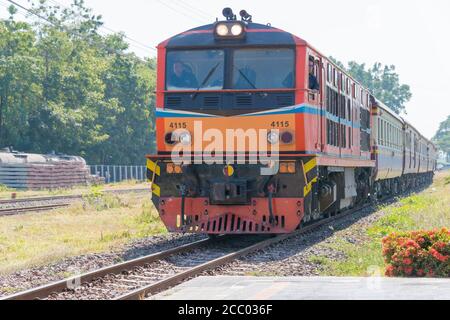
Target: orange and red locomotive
[(331, 144)]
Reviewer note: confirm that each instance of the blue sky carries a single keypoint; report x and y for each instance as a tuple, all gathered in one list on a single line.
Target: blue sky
[(412, 35)]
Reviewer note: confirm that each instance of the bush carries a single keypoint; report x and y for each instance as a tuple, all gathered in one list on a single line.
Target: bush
[(418, 254), (4, 188)]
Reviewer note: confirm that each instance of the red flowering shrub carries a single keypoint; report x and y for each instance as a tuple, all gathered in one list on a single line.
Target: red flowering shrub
[(418, 254)]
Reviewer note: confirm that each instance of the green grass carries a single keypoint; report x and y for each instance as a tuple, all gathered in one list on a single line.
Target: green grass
[(94, 226), (4, 188), (425, 211)]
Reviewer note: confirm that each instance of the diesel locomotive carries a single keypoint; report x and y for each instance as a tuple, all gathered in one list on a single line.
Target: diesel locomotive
[(258, 132)]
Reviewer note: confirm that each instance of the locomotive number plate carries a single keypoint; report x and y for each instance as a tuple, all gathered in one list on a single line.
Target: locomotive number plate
[(280, 124)]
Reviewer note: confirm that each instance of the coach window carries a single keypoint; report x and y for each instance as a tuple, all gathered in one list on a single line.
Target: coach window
[(392, 136), (389, 135), (395, 138), (388, 138), (379, 132)]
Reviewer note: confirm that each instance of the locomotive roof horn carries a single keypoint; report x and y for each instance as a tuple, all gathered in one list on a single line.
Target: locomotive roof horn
[(245, 16), (228, 13)]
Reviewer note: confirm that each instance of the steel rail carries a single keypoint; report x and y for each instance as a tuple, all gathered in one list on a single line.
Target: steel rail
[(17, 211), (69, 197), (165, 284), (59, 286)]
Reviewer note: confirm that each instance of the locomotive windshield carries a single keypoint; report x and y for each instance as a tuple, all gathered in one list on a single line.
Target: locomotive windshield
[(195, 70), (244, 69), (263, 69)]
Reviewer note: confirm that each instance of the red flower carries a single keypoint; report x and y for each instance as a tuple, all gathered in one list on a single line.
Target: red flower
[(408, 270), (389, 270), (440, 245), (407, 261), (406, 254), (412, 244), (438, 256)]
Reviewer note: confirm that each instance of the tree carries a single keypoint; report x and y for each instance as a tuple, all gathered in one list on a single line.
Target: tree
[(66, 88), (382, 81), (442, 138), (19, 72)]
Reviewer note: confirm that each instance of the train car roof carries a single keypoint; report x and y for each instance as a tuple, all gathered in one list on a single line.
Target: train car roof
[(385, 108), (418, 132), (257, 35)]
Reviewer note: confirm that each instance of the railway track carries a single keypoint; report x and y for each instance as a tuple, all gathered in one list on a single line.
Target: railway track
[(21, 210), (143, 277), (19, 206)]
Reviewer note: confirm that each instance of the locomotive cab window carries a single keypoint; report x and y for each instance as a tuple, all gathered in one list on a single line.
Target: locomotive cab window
[(263, 69), (195, 69), (313, 78)]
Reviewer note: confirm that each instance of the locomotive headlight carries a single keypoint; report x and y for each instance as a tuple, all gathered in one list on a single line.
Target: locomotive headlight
[(273, 137), (185, 138), (229, 30), (236, 30), (222, 30)]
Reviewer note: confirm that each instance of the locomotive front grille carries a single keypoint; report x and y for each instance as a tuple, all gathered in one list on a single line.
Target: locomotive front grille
[(231, 223)]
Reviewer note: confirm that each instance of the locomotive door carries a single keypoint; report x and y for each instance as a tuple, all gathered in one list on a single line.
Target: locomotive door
[(315, 96), (322, 122)]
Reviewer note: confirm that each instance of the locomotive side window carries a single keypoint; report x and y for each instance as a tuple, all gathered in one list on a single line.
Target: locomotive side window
[(335, 78), (263, 69), (330, 73), (313, 78), (195, 69)]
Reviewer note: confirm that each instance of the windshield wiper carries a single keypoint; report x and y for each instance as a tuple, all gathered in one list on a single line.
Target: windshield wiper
[(245, 77), (208, 76)]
